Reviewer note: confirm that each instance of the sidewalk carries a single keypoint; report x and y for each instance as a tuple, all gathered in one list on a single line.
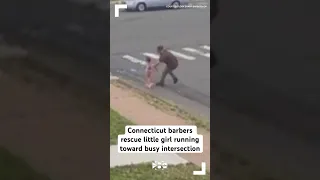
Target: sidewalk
[(137, 110), (131, 107), (120, 159)]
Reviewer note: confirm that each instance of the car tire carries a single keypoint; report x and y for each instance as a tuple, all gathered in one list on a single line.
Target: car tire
[(141, 7), (175, 4)]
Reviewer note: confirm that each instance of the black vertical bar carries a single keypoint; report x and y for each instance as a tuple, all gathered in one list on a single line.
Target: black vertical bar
[(214, 9), (80, 34)]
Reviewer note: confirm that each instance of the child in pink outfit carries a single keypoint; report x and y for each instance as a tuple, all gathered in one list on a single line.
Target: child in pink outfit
[(149, 72)]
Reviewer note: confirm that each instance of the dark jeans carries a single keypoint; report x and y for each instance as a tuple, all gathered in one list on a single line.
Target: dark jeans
[(167, 71)]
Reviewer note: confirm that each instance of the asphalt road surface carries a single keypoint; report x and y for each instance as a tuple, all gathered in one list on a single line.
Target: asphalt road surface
[(186, 32)]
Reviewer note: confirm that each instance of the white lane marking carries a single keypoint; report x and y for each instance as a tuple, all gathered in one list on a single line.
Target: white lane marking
[(206, 47), (134, 60), (113, 77), (151, 55), (183, 56), (194, 51)]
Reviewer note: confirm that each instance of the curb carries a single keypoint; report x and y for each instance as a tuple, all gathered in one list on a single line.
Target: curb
[(131, 86), (115, 2), (113, 77), (181, 112)]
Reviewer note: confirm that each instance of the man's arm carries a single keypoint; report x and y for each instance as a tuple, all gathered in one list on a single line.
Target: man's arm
[(159, 61), (156, 65)]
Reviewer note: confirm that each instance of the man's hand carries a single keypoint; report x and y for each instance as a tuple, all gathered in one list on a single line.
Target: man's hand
[(156, 65), (155, 68)]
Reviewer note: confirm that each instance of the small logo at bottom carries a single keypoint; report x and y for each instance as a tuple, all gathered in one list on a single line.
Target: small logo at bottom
[(159, 165)]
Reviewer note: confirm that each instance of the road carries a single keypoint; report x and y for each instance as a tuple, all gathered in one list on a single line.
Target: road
[(133, 34)]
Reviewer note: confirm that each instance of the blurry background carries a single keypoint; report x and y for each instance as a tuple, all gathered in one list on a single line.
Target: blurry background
[(269, 55)]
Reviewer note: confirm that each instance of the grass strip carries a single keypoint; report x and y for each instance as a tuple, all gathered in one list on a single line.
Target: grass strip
[(15, 168), (117, 126), (144, 171)]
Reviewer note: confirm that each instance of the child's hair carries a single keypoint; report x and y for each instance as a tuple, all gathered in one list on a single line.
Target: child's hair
[(148, 59)]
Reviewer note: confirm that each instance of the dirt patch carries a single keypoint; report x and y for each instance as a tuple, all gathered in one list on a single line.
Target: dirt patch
[(55, 129), (143, 171), (140, 112)]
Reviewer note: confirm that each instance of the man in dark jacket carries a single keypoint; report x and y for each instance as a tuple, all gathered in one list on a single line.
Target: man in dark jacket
[(171, 62)]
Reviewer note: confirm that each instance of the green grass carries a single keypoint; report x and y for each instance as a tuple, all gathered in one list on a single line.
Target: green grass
[(117, 125), (145, 172), (15, 168)]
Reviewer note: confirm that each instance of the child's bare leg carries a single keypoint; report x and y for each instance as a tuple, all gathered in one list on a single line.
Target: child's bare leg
[(146, 81), (151, 81)]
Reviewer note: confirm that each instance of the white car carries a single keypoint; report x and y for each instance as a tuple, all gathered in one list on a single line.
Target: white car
[(142, 5)]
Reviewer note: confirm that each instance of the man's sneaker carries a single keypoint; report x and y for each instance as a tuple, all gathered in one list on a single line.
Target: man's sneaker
[(175, 80), (160, 84)]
